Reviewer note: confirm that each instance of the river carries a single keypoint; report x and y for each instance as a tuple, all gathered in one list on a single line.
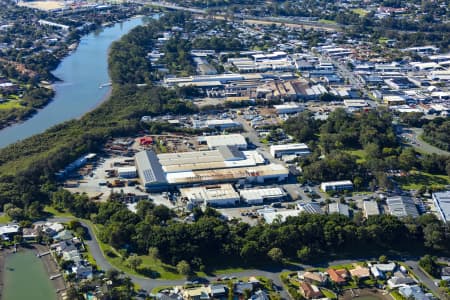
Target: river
[(78, 92), (26, 278)]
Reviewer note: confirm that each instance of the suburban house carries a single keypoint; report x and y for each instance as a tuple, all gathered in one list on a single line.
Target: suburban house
[(217, 290), (338, 276), (445, 273), (413, 292), (241, 287), (313, 277), (310, 291), (30, 233), (259, 295), (9, 231), (360, 272), (198, 293), (396, 282)]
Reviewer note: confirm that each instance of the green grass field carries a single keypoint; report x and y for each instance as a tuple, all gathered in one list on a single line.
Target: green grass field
[(54, 213), (418, 179), (327, 293), (10, 105), (360, 153), (4, 219)]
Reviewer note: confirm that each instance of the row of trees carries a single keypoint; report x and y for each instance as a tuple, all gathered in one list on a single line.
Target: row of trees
[(152, 229)]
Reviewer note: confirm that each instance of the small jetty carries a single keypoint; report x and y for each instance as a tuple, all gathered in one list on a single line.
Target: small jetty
[(43, 254), (55, 276), (104, 85)]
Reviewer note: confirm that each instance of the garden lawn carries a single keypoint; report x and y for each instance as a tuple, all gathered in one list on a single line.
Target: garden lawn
[(327, 293)]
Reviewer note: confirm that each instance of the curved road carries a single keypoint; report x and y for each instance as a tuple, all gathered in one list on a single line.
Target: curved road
[(148, 283), (419, 143), (273, 273)]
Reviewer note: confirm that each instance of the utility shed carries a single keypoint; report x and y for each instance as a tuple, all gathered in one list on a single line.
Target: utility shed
[(214, 195), (127, 172)]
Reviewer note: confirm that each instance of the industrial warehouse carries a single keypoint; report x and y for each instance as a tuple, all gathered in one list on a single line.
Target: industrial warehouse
[(227, 164)]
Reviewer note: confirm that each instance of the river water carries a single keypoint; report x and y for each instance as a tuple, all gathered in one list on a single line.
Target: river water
[(82, 72), (26, 278)]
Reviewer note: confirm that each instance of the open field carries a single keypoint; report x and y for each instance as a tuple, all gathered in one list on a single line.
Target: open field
[(10, 105), (4, 219), (361, 154), (418, 179), (54, 213)]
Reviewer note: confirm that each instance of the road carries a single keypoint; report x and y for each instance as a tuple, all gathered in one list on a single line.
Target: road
[(273, 274), (354, 80), (253, 138), (248, 19), (148, 284), (420, 144), (414, 265)]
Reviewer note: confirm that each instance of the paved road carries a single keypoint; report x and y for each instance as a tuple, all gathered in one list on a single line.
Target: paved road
[(251, 134), (248, 19), (148, 284), (272, 273), (414, 265), (421, 144)]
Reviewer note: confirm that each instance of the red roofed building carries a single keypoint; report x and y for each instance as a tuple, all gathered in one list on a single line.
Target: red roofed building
[(310, 291), (338, 276)]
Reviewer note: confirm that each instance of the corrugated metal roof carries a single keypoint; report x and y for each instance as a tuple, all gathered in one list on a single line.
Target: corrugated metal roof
[(231, 153), (402, 206), (149, 168)]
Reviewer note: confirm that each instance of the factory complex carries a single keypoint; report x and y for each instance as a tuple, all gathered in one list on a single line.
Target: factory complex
[(226, 164)]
